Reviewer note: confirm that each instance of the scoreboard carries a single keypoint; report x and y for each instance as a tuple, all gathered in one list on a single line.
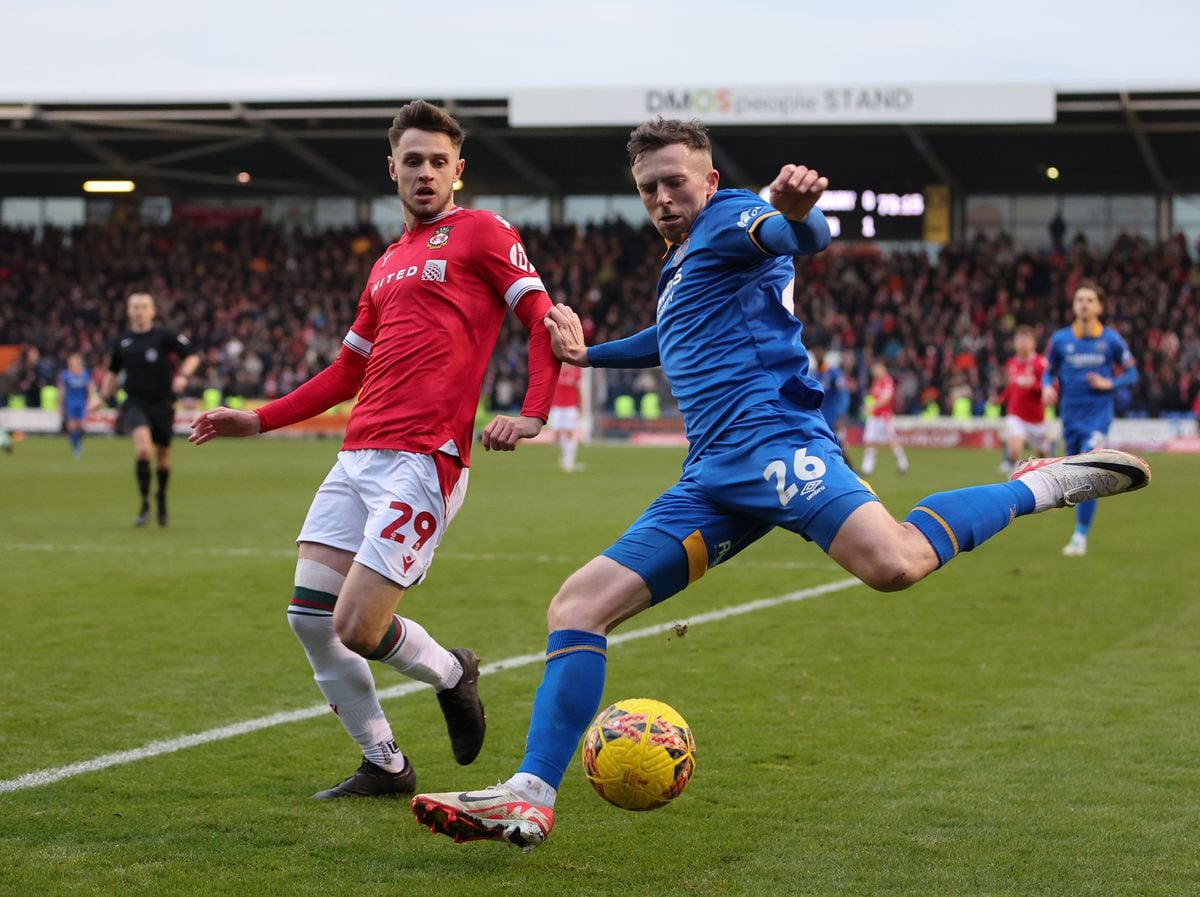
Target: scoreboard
[(872, 214)]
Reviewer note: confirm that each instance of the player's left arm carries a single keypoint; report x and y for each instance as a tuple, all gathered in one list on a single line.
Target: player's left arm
[(504, 432), (800, 227), (502, 263), (187, 367)]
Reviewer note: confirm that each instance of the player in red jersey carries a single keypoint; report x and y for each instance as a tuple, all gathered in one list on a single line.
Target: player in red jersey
[(426, 325), (564, 416), (880, 428), (1025, 422)]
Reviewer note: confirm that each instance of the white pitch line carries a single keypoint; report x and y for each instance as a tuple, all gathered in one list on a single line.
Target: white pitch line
[(48, 547), (157, 748)]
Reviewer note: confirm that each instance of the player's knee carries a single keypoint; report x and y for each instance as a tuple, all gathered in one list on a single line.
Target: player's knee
[(890, 569), (356, 633), (568, 608)]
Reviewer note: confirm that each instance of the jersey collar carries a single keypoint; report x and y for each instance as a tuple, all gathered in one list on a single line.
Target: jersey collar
[(1091, 333), (436, 218), (671, 244)]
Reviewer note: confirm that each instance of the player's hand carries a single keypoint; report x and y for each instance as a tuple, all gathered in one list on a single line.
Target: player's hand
[(1099, 381), (179, 384), (566, 335), (1049, 396), (503, 432), (796, 190), (223, 422)]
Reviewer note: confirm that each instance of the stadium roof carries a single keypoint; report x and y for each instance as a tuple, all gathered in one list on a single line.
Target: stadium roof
[(1102, 142)]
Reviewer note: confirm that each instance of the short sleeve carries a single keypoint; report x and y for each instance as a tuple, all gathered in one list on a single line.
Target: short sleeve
[(501, 260)]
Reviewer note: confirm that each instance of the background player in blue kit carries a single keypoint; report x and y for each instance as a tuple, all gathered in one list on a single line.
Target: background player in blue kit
[(1090, 362), (836, 402), (76, 393), (760, 455)]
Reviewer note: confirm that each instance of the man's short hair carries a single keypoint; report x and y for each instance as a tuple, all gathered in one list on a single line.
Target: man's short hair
[(426, 117), (660, 132), (1094, 287), (1023, 330)]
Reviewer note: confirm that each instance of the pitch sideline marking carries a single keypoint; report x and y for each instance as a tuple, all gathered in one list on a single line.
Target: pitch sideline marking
[(488, 557), (168, 746)]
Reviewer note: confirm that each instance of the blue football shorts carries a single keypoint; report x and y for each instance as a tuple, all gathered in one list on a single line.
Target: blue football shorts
[(1085, 436), (776, 466)]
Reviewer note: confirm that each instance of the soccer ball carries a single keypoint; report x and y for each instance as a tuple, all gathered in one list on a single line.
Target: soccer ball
[(639, 754)]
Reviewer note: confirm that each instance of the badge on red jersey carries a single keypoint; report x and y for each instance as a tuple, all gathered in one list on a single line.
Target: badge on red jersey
[(440, 237)]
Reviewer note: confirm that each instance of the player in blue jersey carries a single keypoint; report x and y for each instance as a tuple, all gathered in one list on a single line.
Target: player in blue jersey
[(760, 455), (1089, 362), (76, 392), (836, 401)]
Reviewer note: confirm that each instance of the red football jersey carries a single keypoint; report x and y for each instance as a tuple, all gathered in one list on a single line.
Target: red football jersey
[(567, 393), (1023, 393), (427, 324), (883, 391)]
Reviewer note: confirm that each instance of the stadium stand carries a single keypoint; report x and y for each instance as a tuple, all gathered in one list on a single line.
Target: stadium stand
[(268, 305)]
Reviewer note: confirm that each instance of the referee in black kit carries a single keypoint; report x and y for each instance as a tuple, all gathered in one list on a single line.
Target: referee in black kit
[(148, 354)]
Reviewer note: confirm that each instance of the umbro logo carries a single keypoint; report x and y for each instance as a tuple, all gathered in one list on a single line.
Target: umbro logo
[(812, 489)]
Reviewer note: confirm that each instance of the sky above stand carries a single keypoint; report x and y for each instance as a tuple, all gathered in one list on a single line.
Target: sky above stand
[(139, 50)]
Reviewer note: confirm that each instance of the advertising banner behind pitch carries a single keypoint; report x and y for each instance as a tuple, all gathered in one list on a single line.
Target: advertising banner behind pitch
[(795, 105)]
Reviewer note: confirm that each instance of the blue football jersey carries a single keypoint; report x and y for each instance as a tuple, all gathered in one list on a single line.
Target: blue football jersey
[(75, 387), (727, 337), (1071, 356)]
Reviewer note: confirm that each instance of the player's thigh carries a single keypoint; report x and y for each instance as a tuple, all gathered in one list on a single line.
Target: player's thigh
[(410, 500), (162, 426), (791, 474), (598, 596), (875, 431), (678, 538), (365, 606), (882, 552), (335, 520)]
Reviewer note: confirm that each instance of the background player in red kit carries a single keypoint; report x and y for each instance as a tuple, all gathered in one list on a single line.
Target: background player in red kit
[(426, 325), (880, 429), (1025, 422), (564, 416)]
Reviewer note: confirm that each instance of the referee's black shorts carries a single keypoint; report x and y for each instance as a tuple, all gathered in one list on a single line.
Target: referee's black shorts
[(159, 418)]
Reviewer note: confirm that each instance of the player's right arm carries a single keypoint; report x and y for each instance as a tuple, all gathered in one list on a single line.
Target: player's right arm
[(338, 383)]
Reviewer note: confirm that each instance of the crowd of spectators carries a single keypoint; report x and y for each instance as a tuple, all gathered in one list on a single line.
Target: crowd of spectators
[(268, 306)]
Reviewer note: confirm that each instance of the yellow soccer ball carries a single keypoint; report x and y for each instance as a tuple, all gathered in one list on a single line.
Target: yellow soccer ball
[(639, 754)]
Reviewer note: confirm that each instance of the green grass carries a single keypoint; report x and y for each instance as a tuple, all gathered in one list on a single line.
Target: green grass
[(1020, 724)]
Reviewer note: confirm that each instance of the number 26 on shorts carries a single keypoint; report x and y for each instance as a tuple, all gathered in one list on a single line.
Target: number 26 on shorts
[(804, 468)]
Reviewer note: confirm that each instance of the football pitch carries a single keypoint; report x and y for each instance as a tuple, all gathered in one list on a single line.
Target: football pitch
[(1019, 724)]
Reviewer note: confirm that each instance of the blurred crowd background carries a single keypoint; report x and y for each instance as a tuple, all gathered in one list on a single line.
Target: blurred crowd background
[(267, 306)]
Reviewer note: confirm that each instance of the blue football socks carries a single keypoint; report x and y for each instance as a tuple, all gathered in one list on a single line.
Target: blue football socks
[(565, 702), (963, 519)]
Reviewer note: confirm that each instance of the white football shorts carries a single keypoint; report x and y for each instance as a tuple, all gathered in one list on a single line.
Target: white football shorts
[(1033, 434), (878, 430), (390, 508), (563, 418)]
